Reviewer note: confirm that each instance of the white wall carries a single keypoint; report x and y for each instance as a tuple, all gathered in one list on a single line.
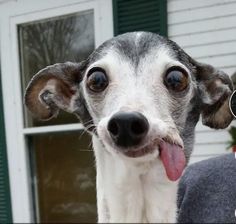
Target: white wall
[(206, 29)]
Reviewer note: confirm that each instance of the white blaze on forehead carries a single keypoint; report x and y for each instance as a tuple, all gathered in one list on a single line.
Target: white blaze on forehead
[(138, 37), (114, 64), (159, 60)]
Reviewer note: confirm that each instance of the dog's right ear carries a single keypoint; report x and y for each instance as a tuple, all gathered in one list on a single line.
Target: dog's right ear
[(215, 89), (55, 87)]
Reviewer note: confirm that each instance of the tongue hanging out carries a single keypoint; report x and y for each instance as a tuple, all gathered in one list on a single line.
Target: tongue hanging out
[(173, 159)]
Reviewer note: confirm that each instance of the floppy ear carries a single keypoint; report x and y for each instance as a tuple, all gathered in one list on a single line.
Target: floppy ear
[(55, 87), (215, 88)]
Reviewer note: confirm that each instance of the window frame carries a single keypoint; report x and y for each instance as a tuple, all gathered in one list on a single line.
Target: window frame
[(13, 14)]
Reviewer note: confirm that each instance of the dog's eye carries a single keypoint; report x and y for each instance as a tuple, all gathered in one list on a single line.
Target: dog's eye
[(97, 80), (176, 79)]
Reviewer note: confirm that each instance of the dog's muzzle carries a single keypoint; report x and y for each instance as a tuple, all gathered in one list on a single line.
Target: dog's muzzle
[(128, 129)]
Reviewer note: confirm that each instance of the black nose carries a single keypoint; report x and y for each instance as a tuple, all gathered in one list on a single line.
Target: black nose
[(128, 129)]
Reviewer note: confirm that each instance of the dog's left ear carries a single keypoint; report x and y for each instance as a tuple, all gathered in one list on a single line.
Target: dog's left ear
[(215, 89), (53, 88)]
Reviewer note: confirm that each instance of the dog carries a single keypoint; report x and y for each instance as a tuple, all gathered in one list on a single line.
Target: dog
[(140, 96)]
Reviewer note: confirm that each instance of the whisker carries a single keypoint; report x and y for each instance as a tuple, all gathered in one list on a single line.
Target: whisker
[(90, 144), (87, 122)]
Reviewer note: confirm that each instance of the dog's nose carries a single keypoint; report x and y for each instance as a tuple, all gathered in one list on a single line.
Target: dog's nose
[(128, 128)]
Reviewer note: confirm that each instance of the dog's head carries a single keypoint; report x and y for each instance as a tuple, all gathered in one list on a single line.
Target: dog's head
[(140, 94)]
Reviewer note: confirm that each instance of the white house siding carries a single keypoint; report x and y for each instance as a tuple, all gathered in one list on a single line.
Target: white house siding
[(206, 29)]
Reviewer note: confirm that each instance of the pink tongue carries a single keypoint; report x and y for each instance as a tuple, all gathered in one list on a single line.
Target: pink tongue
[(173, 159)]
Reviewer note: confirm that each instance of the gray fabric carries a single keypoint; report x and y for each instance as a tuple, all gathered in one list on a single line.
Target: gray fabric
[(207, 191)]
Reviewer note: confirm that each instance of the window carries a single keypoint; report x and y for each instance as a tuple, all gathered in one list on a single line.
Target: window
[(51, 164)]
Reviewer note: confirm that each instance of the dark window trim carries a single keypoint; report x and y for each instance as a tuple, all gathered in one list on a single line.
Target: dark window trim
[(5, 198)]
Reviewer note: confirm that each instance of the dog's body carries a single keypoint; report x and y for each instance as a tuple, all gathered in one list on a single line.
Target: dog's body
[(140, 96)]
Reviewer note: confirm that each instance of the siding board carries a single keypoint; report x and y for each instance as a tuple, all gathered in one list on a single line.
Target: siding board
[(181, 5), (200, 150), (213, 136), (206, 30), (203, 26), (211, 37), (220, 61), (222, 48), (198, 14)]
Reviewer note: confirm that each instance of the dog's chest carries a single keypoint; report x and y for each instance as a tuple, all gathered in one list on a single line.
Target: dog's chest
[(137, 196)]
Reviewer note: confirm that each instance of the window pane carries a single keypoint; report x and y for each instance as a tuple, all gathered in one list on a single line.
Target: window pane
[(64, 173), (54, 40)]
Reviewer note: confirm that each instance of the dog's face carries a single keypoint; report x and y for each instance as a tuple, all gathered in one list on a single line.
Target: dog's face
[(140, 94)]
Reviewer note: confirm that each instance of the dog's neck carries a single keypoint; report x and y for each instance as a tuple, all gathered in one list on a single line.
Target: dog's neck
[(132, 193)]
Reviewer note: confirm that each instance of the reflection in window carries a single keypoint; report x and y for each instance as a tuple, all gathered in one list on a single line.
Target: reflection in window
[(65, 177), (54, 40)]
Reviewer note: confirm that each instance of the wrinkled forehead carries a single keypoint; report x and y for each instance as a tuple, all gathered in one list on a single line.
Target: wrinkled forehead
[(138, 51)]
